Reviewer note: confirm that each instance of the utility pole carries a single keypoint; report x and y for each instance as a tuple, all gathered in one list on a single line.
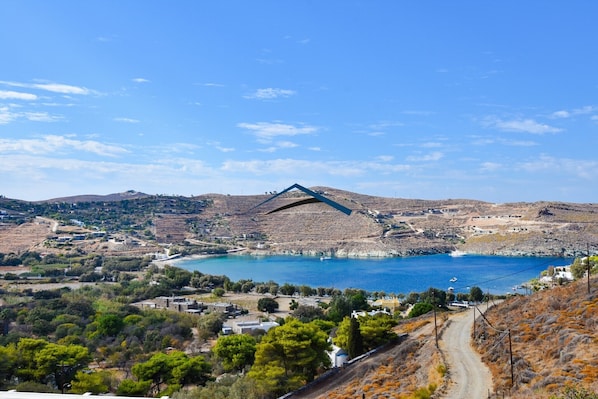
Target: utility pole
[(511, 360), (589, 268), (435, 324), (474, 321)]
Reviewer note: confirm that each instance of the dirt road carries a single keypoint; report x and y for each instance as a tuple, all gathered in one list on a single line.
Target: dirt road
[(470, 378)]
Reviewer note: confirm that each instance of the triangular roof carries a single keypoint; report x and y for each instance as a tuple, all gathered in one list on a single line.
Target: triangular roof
[(315, 198)]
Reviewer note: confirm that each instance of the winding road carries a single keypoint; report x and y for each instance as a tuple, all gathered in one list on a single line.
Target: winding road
[(469, 377)]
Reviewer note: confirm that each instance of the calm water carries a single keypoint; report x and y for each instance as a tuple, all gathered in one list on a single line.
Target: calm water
[(496, 274)]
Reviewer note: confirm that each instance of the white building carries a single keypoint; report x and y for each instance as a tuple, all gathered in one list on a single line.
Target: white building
[(245, 327)]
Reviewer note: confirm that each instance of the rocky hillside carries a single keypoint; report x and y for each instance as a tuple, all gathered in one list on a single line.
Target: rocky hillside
[(554, 341), (377, 226)]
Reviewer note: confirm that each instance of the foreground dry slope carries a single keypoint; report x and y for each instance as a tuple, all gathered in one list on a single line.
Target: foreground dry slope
[(554, 341)]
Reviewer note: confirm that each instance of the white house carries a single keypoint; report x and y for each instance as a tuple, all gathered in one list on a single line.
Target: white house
[(338, 356), (244, 327)]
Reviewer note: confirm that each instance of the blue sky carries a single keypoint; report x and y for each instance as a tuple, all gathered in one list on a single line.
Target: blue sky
[(496, 101)]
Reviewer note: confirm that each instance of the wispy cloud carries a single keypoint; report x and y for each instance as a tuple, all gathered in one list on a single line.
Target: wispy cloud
[(140, 80), (212, 84), (16, 95), (52, 144), (585, 169), (301, 167), (41, 117), (51, 87), (521, 125), (126, 120), (433, 156), (266, 131), (10, 114), (490, 166), (563, 114), (270, 94)]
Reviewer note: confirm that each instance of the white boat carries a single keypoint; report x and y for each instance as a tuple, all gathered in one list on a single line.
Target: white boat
[(453, 279), (323, 258), (457, 253)]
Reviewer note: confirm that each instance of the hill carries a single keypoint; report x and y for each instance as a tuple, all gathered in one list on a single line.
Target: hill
[(377, 226), (553, 337), (554, 345)]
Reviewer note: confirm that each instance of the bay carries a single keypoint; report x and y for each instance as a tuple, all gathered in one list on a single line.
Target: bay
[(494, 274)]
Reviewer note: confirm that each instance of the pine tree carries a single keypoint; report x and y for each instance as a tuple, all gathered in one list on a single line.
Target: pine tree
[(355, 340)]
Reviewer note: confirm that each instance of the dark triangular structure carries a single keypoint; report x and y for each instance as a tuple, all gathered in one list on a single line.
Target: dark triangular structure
[(315, 198)]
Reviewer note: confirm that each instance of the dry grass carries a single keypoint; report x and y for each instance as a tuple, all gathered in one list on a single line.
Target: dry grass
[(554, 341)]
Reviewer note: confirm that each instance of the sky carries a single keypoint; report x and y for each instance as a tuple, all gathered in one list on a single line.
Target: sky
[(488, 100)]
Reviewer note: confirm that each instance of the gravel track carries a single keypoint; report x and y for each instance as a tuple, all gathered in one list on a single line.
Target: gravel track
[(469, 377)]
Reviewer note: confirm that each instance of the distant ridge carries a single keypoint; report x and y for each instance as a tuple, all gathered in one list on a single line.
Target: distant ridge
[(130, 194)]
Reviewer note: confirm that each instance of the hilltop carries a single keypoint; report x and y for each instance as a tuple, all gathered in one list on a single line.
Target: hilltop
[(377, 226)]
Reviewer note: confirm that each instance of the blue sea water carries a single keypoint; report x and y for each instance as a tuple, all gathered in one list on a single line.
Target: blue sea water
[(495, 274)]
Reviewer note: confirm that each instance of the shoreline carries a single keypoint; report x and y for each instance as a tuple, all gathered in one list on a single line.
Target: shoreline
[(408, 274)]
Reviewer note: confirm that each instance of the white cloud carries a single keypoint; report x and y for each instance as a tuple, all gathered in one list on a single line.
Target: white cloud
[(41, 117), (286, 144), (267, 131), (54, 144), (270, 93), (305, 168), (385, 158), (585, 169), (51, 87), (561, 114), (490, 166), (62, 88), (521, 125), (8, 114), (15, 95), (126, 120), (432, 144), (588, 109), (433, 156), (140, 80)]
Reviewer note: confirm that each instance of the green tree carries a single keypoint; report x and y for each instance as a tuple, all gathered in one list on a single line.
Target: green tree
[(289, 356), (580, 266), (128, 387), (210, 324), (354, 339), (434, 296), (374, 330), (267, 305), (26, 364), (8, 357), (109, 324), (476, 294), (287, 289), (173, 369), (94, 382), (420, 308), (61, 362), (306, 313), (235, 351), (340, 307)]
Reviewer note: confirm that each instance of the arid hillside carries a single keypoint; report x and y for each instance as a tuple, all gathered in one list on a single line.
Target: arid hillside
[(554, 337), (296, 223)]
